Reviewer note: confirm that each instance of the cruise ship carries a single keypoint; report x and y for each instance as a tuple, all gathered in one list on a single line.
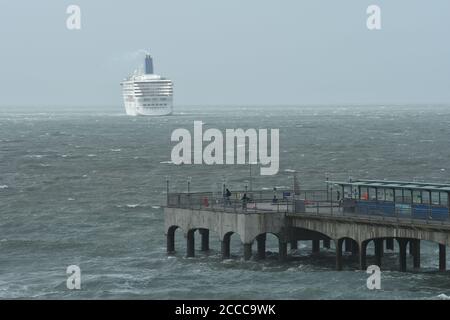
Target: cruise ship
[(146, 93)]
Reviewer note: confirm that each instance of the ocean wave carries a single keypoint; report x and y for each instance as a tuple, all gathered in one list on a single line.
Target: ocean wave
[(35, 156), (4, 186)]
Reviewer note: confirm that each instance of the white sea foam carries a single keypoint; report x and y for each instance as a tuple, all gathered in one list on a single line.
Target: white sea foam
[(443, 296), (4, 186), (35, 156)]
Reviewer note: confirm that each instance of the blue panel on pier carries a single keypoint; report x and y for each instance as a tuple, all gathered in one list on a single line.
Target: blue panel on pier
[(375, 208), (439, 213), (421, 211)]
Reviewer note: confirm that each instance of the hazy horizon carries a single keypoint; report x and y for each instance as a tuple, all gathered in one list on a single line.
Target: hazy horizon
[(228, 53)]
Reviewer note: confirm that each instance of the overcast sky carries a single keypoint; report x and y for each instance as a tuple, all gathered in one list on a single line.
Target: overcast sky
[(230, 52)]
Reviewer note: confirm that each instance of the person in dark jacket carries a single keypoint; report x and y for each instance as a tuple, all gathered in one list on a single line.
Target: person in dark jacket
[(227, 197), (245, 200)]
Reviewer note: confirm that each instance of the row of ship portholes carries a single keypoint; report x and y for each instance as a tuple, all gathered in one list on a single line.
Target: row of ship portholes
[(155, 105)]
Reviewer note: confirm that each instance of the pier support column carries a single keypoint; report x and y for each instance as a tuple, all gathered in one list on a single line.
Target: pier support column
[(416, 253), (402, 243), (282, 251), (225, 244), (389, 244), (294, 244), (378, 251), (315, 246), (326, 243), (339, 254), (363, 255), (205, 239), (190, 247), (442, 258), (170, 241), (261, 246), (247, 251)]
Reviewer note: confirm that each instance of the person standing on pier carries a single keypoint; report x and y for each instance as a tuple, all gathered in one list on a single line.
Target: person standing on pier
[(245, 200), (227, 197)]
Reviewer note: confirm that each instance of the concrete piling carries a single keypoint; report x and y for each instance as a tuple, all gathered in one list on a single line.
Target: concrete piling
[(315, 246), (363, 255), (247, 251), (389, 244), (261, 246), (190, 247), (442, 258), (170, 243), (339, 254), (416, 253), (402, 243), (205, 239), (282, 251)]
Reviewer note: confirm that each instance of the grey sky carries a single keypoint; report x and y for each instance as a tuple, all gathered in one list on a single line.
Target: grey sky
[(227, 52)]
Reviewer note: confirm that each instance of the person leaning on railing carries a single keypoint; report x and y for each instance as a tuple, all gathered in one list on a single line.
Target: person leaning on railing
[(245, 200)]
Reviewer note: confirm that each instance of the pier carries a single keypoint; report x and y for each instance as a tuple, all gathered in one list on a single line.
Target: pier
[(347, 217)]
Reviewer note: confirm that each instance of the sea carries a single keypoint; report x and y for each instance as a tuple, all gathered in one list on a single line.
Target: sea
[(86, 186)]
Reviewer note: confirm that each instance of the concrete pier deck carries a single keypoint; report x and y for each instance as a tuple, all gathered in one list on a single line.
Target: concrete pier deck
[(311, 215)]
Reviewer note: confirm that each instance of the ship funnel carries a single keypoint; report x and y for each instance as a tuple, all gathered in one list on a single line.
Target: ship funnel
[(148, 64)]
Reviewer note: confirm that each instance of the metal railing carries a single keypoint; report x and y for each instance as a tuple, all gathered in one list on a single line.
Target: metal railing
[(307, 202), (255, 201), (397, 215)]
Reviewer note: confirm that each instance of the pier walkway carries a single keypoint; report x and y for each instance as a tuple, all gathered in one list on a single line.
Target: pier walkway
[(332, 218)]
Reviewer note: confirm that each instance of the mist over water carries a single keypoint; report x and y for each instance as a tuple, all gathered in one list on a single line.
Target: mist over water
[(85, 187)]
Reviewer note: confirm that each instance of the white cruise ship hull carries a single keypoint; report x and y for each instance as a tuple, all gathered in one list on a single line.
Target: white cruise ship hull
[(137, 108)]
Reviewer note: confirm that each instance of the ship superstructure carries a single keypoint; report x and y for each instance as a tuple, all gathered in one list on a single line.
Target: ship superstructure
[(146, 93)]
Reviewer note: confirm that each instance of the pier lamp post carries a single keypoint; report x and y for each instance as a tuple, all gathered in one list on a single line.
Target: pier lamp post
[(189, 185), (251, 176), (223, 185), (167, 189)]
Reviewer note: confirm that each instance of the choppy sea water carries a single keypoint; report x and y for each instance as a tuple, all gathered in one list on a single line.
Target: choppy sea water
[(85, 187)]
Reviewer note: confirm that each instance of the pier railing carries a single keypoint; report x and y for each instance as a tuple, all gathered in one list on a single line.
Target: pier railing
[(310, 202), (255, 201)]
